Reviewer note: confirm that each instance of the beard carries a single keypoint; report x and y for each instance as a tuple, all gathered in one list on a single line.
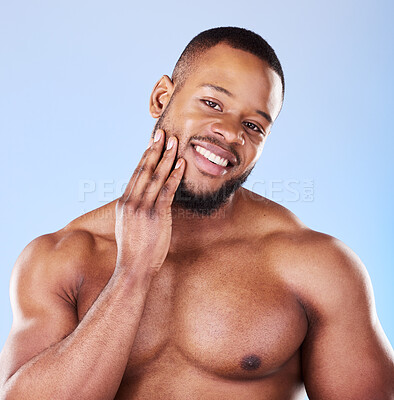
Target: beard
[(206, 203), (188, 196)]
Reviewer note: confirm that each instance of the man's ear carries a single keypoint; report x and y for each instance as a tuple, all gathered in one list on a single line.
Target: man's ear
[(160, 96)]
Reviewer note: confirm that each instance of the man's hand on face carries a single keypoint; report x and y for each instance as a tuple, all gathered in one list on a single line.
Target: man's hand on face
[(143, 213)]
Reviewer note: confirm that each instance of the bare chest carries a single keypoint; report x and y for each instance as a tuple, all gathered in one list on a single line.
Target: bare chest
[(224, 313)]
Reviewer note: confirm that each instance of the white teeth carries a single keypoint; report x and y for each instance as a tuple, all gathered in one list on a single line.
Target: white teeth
[(211, 157)]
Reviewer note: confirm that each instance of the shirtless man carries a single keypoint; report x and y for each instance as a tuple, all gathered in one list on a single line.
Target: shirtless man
[(216, 293)]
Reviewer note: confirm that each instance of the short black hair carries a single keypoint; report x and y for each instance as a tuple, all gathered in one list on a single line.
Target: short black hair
[(238, 38)]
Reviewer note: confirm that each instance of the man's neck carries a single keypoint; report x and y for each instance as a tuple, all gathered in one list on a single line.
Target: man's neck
[(193, 230)]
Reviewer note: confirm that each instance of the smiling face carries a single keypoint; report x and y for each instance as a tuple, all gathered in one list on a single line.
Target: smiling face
[(221, 116)]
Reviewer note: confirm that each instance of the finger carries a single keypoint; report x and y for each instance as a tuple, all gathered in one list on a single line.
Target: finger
[(161, 173), (167, 192), (145, 167), (150, 143)]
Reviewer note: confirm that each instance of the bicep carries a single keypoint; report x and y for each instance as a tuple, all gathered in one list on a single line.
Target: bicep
[(347, 360), (42, 316), (345, 353)]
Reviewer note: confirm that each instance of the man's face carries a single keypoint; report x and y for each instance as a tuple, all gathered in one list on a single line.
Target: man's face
[(221, 117)]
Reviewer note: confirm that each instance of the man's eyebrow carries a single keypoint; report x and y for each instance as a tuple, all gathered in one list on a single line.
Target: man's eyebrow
[(265, 115), (228, 93), (217, 88)]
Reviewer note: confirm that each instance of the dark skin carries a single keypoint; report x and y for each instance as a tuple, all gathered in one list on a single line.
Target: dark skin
[(140, 300)]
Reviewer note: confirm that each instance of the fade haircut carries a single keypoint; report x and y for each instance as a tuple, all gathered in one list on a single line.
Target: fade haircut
[(237, 38)]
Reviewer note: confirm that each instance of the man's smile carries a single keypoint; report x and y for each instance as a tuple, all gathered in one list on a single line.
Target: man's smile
[(212, 159), (211, 156)]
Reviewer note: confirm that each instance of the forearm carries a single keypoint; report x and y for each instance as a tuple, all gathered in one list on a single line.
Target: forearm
[(90, 362)]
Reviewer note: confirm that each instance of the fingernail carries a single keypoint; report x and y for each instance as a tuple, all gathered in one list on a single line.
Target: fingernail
[(157, 136), (150, 143), (170, 143), (178, 163)]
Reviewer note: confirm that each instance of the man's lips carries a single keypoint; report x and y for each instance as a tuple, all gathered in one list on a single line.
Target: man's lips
[(217, 150), (206, 166)]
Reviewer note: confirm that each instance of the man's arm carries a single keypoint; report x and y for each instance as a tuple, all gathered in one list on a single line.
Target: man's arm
[(48, 355), (346, 354)]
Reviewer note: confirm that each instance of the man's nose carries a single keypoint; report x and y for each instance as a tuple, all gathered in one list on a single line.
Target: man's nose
[(230, 130)]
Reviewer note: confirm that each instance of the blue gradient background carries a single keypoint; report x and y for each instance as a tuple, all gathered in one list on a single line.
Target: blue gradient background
[(75, 78)]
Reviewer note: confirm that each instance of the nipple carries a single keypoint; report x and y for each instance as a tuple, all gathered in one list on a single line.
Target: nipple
[(250, 363)]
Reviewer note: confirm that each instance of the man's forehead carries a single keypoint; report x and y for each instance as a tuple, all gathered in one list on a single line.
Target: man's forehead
[(225, 57)]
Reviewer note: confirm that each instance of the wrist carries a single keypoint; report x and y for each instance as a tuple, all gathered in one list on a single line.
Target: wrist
[(136, 274)]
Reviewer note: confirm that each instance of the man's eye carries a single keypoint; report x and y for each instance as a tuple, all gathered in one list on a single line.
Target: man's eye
[(252, 126), (212, 104)]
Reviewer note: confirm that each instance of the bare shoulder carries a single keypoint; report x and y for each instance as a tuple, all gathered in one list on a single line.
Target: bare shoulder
[(327, 275), (319, 268), (53, 260), (62, 259)]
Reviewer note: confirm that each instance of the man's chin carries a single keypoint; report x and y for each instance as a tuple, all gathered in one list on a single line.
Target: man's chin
[(205, 203)]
